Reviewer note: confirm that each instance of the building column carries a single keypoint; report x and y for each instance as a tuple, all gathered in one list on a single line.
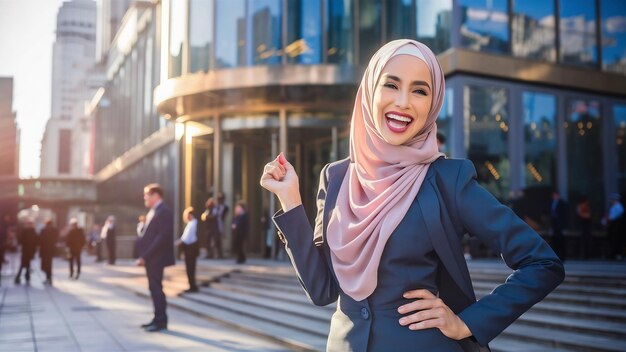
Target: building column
[(282, 132), (217, 155)]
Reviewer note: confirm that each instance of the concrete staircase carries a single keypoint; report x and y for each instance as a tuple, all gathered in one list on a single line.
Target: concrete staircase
[(586, 313)]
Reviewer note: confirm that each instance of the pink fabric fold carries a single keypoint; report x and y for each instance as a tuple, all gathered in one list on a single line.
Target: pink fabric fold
[(382, 180)]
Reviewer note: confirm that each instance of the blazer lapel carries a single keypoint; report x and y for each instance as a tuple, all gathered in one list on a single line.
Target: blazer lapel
[(431, 212), (336, 174)]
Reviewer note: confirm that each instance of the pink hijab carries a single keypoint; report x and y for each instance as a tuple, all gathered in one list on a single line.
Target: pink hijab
[(382, 180)]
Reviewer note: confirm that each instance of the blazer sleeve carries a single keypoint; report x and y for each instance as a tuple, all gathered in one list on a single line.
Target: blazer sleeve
[(163, 227), (304, 247), (537, 269)]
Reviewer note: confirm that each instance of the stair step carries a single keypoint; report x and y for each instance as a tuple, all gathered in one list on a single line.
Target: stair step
[(576, 310), (584, 326), (564, 339), (607, 302), (580, 289), (306, 325), (269, 286), (503, 344), (308, 311), (300, 298)]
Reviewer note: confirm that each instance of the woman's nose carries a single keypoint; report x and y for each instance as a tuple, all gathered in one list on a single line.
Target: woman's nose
[(402, 100)]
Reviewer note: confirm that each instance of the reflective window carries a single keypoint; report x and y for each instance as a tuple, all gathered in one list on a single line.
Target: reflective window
[(370, 36), (485, 25), (583, 133), (433, 24), (230, 44), (398, 19), (619, 120), (444, 122), (613, 14), (340, 31), (533, 31), (200, 34), (304, 35), (539, 142), (487, 134), (177, 36), (264, 26), (578, 32)]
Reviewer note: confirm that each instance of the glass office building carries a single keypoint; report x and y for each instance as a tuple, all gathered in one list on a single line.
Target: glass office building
[(535, 93)]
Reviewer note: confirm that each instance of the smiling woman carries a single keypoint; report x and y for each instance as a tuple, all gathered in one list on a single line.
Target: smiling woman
[(386, 242)]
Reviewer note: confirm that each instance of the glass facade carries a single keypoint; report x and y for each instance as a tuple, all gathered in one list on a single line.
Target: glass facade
[(433, 23), (578, 32), (539, 142), (231, 25), (444, 121), (619, 124), (583, 136), (201, 21), (178, 27), (533, 30), (370, 31), (340, 32), (304, 33), (487, 130), (264, 41), (613, 17), (399, 19), (485, 25)]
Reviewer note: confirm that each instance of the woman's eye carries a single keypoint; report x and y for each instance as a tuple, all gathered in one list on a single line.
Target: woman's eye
[(390, 85), (421, 92)]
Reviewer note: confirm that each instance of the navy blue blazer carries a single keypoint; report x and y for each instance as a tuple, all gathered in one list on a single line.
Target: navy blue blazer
[(156, 246), (452, 204)]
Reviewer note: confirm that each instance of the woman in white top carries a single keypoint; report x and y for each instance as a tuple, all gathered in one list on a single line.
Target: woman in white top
[(189, 244)]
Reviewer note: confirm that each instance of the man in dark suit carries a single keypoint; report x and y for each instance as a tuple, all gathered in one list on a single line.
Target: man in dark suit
[(47, 246), (155, 248)]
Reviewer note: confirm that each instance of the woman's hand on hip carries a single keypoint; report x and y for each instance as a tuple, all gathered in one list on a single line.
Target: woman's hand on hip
[(280, 178), (429, 311)]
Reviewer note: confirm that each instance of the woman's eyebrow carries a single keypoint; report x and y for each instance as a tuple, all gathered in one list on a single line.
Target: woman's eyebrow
[(414, 83)]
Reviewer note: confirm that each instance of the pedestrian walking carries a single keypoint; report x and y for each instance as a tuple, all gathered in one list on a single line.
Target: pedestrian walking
[(213, 235), (75, 242), (558, 217), (109, 236), (188, 242), (27, 238), (386, 242), (240, 232), (47, 248), (5, 226), (155, 249)]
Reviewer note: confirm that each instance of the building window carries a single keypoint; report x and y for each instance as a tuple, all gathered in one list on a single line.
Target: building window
[(65, 141), (583, 133), (177, 36), (304, 33), (264, 27), (434, 20), (201, 19), (619, 121), (485, 25), (230, 44), (533, 30), (340, 32), (398, 19), (370, 36), (539, 144), (487, 135), (613, 14), (578, 32)]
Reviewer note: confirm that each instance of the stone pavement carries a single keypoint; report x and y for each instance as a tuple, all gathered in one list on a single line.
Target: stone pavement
[(91, 314)]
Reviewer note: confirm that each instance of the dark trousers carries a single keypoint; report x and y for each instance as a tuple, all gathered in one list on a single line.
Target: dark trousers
[(155, 284), (238, 248), (26, 266), (214, 244), (75, 257), (99, 250), (1, 258), (46, 266), (191, 254), (111, 249)]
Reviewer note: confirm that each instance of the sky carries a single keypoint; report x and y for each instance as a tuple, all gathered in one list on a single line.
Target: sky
[(26, 37)]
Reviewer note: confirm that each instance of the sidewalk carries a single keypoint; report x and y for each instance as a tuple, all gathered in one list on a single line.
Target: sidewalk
[(93, 315)]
